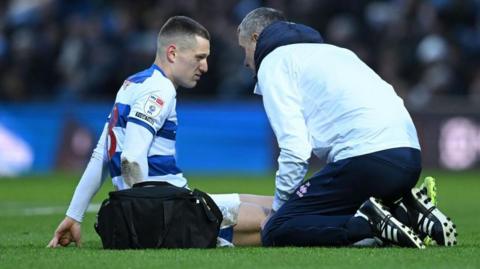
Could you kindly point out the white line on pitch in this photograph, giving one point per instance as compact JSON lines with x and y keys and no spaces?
{"x":38,"y":211}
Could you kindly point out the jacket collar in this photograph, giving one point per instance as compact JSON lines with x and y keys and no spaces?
{"x":283,"y":33}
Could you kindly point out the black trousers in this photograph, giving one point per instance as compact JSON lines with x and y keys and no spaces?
{"x":320,"y":212}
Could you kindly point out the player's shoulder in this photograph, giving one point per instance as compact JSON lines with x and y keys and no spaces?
{"x":151,"y":81}
{"x":158,"y":83}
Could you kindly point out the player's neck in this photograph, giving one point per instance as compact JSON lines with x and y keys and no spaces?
{"x":166,"y":71}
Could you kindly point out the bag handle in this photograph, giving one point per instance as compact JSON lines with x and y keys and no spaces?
{"x":209,"y":206}
{"x":151,"y":183}
{"x":167,"y":217}
{"x":128,"y":218}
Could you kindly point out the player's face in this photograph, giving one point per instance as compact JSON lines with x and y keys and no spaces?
{"x":191,"y":63}
{"x":248,"y":44}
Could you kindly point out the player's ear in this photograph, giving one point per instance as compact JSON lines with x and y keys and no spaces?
{"x":171,"y":53}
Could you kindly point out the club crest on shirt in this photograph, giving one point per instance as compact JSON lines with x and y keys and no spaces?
{"x":153,"y":106}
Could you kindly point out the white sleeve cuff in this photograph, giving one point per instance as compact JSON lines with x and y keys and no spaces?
{"x":74,"y":215}
{"x":277,"y":202}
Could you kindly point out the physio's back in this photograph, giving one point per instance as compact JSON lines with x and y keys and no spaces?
{"x":349,"y":110}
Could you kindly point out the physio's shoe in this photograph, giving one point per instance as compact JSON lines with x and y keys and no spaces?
{"x":429,"y":187}
{"x":387,"y":227}
{"x":428,"y":219}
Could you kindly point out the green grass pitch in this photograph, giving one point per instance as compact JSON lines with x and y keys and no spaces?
{"x":31,"y":207}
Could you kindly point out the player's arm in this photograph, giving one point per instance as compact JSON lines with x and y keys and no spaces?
{"x":134,"y":162}
{"x":69,"y":229}
{"x":146,"y":117}
{"x":283,"y":105}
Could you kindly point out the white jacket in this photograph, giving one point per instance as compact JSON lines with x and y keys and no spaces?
{"x":324,"y":98}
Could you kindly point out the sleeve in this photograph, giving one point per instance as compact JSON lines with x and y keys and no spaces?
{"x":283,"y":105}
{"x":147,"y":116}
{"x":91,"y":180}
{"x":152,"y":109}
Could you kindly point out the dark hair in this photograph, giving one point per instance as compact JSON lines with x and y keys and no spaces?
{"x":182,"y":25}
{"x":258,"y":19}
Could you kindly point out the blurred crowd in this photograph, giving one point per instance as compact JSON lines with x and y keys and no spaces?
{"x":84,"y":49}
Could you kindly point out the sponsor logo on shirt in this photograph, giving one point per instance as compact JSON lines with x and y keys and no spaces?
{"x":144,"y":117}
{"x":153,"y":106}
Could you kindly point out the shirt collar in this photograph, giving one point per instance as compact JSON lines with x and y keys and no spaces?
{"x":154,"y":66}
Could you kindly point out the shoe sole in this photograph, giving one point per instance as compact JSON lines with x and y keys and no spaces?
{"x":449,"y":230}
{"x":409,"y":233}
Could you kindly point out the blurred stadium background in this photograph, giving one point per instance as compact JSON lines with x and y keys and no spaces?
{"x":61,"y":63}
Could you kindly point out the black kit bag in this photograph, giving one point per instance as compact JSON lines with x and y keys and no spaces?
{"x":158,"y":215}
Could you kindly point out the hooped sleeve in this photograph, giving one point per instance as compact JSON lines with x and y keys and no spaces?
{"x":146,"y":118}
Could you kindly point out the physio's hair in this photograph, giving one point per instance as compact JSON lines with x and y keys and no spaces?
{"x":180,"y":30}
{"x":258,"y":19}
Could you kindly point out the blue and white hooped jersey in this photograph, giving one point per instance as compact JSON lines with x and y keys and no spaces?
{"x":147,"y":99}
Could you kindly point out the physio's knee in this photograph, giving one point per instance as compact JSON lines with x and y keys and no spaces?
{"x":269,"y":234}
{"x":267,"y":241}
{"x":279,"y":236}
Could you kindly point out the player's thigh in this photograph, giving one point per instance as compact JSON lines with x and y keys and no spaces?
{"x":250,"y":217}
{"x":261,"y":200}
{"x":247,"y":239}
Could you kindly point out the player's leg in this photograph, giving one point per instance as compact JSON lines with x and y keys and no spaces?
{"x":261,"y":200}
{"x":243,"y":215}
{"x":247,"y":230}
{"x":252,"y":212}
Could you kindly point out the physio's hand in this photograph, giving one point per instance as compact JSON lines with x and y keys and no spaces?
{"x":67,"y":231}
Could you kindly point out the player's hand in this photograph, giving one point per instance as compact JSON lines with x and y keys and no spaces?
{"x":67,"y":231}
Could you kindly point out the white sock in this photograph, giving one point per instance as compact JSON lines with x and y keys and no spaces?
{"x":229,"y":204}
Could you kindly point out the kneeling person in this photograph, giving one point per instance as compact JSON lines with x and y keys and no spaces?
{"x":323,"y":99}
